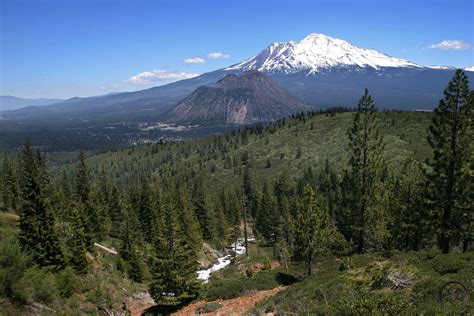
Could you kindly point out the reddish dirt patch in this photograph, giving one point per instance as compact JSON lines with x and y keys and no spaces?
{"x":232,"y":307}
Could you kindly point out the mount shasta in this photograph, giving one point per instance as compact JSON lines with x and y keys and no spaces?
{"x":320,"y":70}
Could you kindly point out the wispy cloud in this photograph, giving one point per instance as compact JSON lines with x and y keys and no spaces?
{"x":451,"y":45}
{"x":159,"y":76}
{"x":218,"y":55}
{"x":195,"y":60}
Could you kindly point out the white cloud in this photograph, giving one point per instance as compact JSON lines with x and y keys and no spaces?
{"x":159,"y":76}
{"x":195,"y":60}
{"x":218,"y":55}
{"x":451,"y":45}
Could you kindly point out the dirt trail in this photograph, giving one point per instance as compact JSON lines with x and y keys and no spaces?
{"x":232,"y":307}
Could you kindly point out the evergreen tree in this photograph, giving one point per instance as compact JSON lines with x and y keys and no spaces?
{"x":146,"y":210}
{"x":174,"y":264}
{"x":203,"y":210}
{"x":83,"y":189}
{"x":37,"y":233}
{"x":265,"y":220}
{"x":450,"y":136}
{"x":411,"y":216}
{"x":77,"y":247}
{"x":9,"y":185}
{"x":129,"y":243}
{"x":115,"y":210}
{"x":313,"y":229}
{"x":188,"y":223}
{"x":82,"y":179}
{"x":366,"y":212}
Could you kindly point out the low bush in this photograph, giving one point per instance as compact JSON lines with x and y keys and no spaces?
{"x":226,"y":289}
{"x":36,"y":285}
{"x":444,"y":264}
{"x":13,"y":263}
{"x":207,"y":308}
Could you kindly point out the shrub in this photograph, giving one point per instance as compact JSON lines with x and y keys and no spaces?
{"x":207,"y":308}
{"x":68,"y":282}
{"x":444,"y":264}
{"x":36,"y":285}
{"x":13,"y":263}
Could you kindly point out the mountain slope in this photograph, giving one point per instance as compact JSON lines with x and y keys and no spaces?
{"x":8,"y":102}
{"x":244,"y":99}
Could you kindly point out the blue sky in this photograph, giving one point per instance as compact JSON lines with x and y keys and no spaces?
{"x":66,"y":48}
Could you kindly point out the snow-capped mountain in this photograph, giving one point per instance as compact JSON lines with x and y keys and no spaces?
{"x":317,"y":52}
{"x":469,"y":68}
{"x":320,"y":70}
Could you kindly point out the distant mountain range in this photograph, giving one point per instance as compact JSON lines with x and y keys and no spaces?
{"x":320,"y":70}
{"x":8,"y":102}
{"x":244,"y":99}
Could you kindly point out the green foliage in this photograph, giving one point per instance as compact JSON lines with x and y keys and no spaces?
{"x":36,"y":285}
{"x":13,"y":262}
{"x":369,"y":286}
{"x":451,"y":184}
{"x":77,"y":241}
{"x":174,"y":262}
{"x":207,"y":308}
{"x":410,"y":209}
{"x":313,"y":229}
{"x":37,"y":231}
{"x":231,"y":288}
{"x":8,"y":186}
{"x":444,"y":264}
{"x":365,"y":192}
{"x":68,"y":282}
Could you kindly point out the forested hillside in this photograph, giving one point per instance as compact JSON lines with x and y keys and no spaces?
{"x":286,"y":148}
{"x":355,"y":212}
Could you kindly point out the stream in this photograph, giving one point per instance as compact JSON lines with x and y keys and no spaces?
{"x":224,"y":261}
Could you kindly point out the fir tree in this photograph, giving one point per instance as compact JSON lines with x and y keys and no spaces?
{"x":265,"y":221}
{"x":129,"y":243}
{"x":77,"y":257}
{"x":188,"y":223}
{"x":450,"y":136}
{"x":203,"y":210}
{"x":82,"y":179}
{"x":174,"y":263}
{"x":37,"y":233}
{"x":366,"y":213}
{"x":83,"y":189}
{"x":411,"y":216}
{"x":313,"y":229}
{"x":9,"y":185}
{"x":146,"y":210}
{"x":115,"y":210}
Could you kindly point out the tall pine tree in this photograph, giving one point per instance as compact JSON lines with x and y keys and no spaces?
{"x":366,"y":211}
{"x":450,"y":136}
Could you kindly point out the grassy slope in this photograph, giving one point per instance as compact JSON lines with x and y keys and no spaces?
{"x":362,"y":287}
{"x":405,"y":134}
{"x":366,"y":287}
